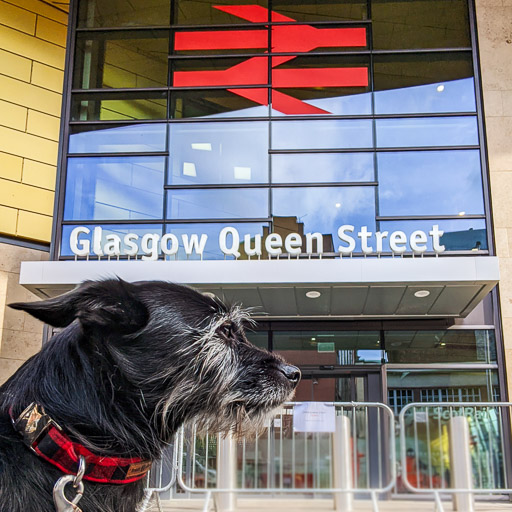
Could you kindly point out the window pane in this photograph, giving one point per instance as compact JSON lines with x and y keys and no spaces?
{"x":323,"y":10}
{"x":323,"y":210}
{"x":198,"y":12}
{"x":459,"y":234}
{"x":212,"y":249}
{"x":106,"y":139}
{"x":121,"y":59}
{"x":218,"y":72}
{"x":218,"y":153}
{"x":453,"y":346}
{"x":219,"y":42}
{"x":220,"y":103}
{"x":425,"y":131}
{"x":120,"y":13}
{"x":108,"y":229}
{"x":337,"y":348}
{"x":322,"y":167}
{"x":321,"y":85}
{"x":322,"y":134}
{"x":430,"y":183}
{"x":260,"y":339}
{"x":117,"y":106}
{"x":436,"y":82}
{"x":114,"y":188}
{"x":217,"y":203}
{"x":420,"y":24}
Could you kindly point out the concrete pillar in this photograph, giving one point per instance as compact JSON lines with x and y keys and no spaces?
{"x":342,"y":465}
{"x":460,"y":463}
{"x":226,"y":473}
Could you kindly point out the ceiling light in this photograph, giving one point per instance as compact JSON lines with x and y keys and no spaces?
{"x":442,"y":344}
{"x":462,"y":214}
{"x":313,"y":339}
{"x":313,"y":294}
{"x":189,"y":169}
{"x":242,"y":173}
{"x":201,"y":146}
{"x":440,"y":88}
{"x":338,"y":205}
{"x":421,"y":294}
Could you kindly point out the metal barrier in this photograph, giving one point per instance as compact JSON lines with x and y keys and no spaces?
{"x":357,"y":458}
{"x":454,"y":448}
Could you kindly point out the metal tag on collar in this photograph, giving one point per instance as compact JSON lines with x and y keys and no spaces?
{"x":33,"y":423}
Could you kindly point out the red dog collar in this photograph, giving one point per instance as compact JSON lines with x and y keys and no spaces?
{"x":47,"y":439}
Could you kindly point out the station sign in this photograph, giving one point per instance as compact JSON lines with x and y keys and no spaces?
{"x":97,"y":241}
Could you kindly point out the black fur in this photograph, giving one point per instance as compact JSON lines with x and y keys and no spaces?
{"x":133,"y":363}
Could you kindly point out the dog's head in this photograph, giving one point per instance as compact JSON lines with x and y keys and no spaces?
{"x":187,"y":353}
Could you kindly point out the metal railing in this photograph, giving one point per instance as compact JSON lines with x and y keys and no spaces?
{"x":454,"y":448}
{"x":354,"y":459}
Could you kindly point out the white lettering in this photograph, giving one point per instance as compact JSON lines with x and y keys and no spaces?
{"x":319,"y":243}
{"x":346,"y":238}
{"x":96,"y":241}
{"x":175,"y":244}
{"x":193,"y":244}
{"x":397,"y":241}
{"x":364,"y":235}
{"x":149,"y":246}
{"x":131,"y":247}
{"x":113,"y":245}
{"x":80,"y":247}
{"x":417,"y":238}
{"x":380,"y":237}
{"x":436,"y":235}
{"x":235,"y":242}
{"x":257,"y":245}
{"x":273,"y":244}
{"x":293,"y":243}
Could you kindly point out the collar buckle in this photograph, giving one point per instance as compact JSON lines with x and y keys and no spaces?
{"x":33,"y":423}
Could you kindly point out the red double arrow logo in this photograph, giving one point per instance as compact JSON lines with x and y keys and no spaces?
{"x":254,"y":70}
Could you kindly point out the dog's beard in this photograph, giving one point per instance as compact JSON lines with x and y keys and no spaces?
{"x":214,"y":390}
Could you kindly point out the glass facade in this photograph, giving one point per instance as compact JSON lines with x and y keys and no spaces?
{"x":186,"y":117}
{"x":273,"y":114}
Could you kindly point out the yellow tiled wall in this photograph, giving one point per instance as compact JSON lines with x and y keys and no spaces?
{"x":32,"y":51}
{"x":494,"y":20}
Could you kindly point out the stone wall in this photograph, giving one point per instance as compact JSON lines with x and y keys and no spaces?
{"x":494,"y":21}
{"x":20,"y":334}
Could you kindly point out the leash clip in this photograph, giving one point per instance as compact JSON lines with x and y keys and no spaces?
{"x":62,"y":504}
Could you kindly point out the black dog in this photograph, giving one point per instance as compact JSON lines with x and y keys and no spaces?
{"x":134,"y":362}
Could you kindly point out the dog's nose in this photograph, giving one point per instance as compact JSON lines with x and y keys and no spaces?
{"x":292,"y":373}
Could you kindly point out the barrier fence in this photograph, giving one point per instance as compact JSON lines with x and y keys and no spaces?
{"x":444,"y":449}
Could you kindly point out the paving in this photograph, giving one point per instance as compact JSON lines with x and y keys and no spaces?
{"x":295,"y":505}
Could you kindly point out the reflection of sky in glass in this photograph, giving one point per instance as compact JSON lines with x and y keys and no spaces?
{"x":203,"y":153}
{"x":317,"y":134}
{"x":459,"y":234}
{"x":324,"y":209}
{"x":355,"y":104}
{"x":120,"y":230}
{"x":133,"y":138}
{"x":426,"y":131}
{"x":217,"y":203}
{"x":450,"y":96}
{"x":212,"y":250}
{"x":114,"y":188}
{"x":430,"y":183}
{"x":322,"y":167}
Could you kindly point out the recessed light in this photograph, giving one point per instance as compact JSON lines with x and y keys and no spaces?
{"x":313,"y":294}
{"x":462,"y":214}
{"x":440,"y":88}
{"x":421,"y":293}
{"x":442,"y":344}
{"x":338,"y":205}
{"x":313,"y":339}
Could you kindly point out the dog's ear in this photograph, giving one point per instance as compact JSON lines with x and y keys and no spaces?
{"x":107,"y":305}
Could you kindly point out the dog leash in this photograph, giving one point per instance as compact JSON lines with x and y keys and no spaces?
{"x":62,"y":504}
